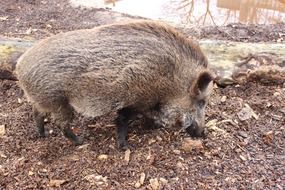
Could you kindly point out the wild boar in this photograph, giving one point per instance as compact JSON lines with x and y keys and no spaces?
{"x":139,"y":67}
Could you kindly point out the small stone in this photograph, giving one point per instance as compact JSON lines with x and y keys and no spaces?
{"x":142,"y":178}
{"x":2,"y":155}
{"x":223,"y":99}
{"x":30,"y":173}
{"x":276,"y":94}
{"x":188,"y":145}
{"x":103,"y":157}
{"x":56,"y":183}
{"x":158,"y":138}
{"x":151,"y":141}
{"x":242,"y":158}
{"x":137,"y":184}
{"x":163,"y":180}
{"x":2,"y":130}
{"x":154,"y":184}
{"x":127,"y":155}
{"x":176,"y":151}
{"x":83,"y":146}
{"x":96,"y":179}
{"x":243,"y":134}
{"x":20,"y":101}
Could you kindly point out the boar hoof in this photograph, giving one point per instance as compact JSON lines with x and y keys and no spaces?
{"x":123,"y":145}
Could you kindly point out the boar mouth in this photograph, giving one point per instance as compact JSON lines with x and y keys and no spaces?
{"x":194,"y":131}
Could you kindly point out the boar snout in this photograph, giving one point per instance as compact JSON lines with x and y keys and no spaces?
{"x":195,"y":130}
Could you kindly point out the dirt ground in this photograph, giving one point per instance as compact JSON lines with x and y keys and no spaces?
{"x":236,"y":154}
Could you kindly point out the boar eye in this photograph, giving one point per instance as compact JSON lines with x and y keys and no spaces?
{"x":201,"y":103}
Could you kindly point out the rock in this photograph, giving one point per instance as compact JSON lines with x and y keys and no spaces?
{"x":189,"y":144}
{"x":2,"y":130}
{"x":56,"y":182}
{"x":103,"y":157}
{"x":246,"y":113}
{"x":127,"y":155}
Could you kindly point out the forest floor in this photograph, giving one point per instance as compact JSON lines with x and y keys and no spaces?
{"x":244,"y":148}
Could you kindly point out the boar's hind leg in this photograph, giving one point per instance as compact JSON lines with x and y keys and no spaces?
{"x":124,"y":115}
{"x":39,"y":120}
{"x":64,"y":116}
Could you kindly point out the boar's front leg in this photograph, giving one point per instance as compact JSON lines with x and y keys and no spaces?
{"x":39,"y":120}
{"x":64,"y":117}
{"x":124,"y":115}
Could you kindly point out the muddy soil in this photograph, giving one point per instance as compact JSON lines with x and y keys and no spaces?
{"x":238,"y":153}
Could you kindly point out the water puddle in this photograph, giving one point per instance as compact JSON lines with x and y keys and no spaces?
{"x":197,"y":12}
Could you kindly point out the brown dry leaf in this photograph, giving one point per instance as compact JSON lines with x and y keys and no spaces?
{"x":56,"y":182}
{"x":189,"y":144}
{"x":268,"y":137}
{"x":127,"y":155}
{"x":2,"y":130}
{"x":246,"y":113}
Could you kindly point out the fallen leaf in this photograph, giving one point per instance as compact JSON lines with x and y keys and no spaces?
{"x":127,"y":155}
{"x":56,"y":182}
{"x":2,"y":130}
{"x":189,"y":144}
{"x":246,"y":113}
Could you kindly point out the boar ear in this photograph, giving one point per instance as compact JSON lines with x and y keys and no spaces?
{"x":202,"y":82}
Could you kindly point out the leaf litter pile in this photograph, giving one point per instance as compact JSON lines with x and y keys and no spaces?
{"x":244,"y":148}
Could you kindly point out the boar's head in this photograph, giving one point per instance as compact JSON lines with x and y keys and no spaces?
{"x":188,"y":111}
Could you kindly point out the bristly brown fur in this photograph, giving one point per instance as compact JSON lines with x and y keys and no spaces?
{"x":97,"y":71}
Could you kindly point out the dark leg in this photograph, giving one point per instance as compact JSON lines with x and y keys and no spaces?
{"x":124,"y":115}
{"x":64,"y":117}
{"x":39,"y":120}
